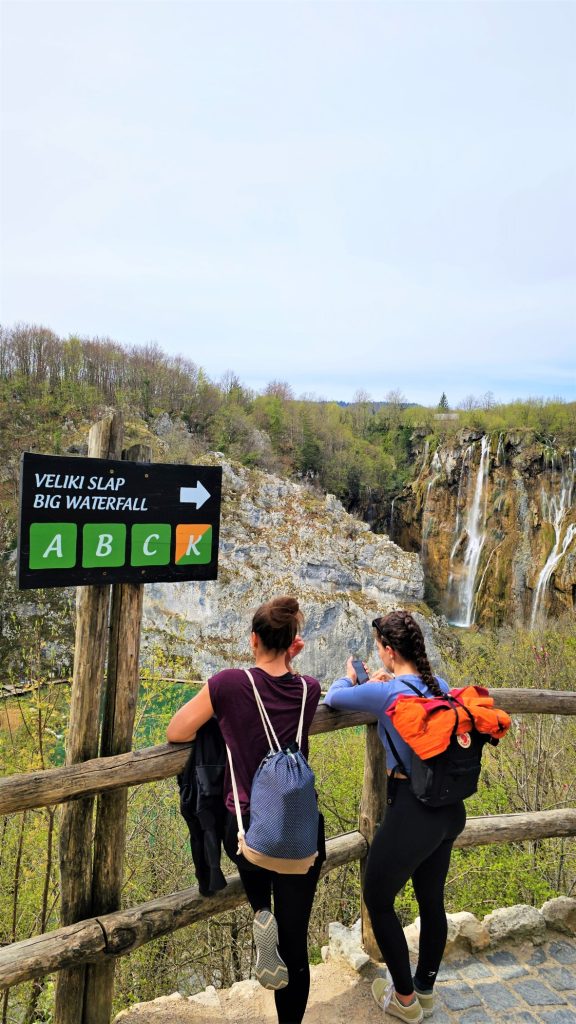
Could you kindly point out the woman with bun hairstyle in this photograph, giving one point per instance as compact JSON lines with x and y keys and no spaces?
{"x":282,"y":903}
{"x":414,"y":841}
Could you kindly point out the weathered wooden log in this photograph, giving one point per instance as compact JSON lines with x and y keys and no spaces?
{"x":117,"y":934}
{"x":69,"y":947}
{"x":56,"y":785}
{"x":122,"y":932}
{"x":509,"y":828}
{"x":121,"y":697}
{"x":92,"y":610}
{"x":518,"y":700}
{"x":372,"y":807}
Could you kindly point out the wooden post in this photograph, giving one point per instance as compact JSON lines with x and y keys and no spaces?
{"x":92,"y":609}
{"x":372,"y":808}
{"x":117,"y":730}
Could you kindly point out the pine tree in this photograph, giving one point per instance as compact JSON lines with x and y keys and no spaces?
{"x":443,"y":403}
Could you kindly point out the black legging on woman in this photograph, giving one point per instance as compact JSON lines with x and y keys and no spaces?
{"x":293,"y":898}
{"x":414,"y":841}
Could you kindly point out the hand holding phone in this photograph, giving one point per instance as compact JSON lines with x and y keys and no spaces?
{"x":361,"y":673}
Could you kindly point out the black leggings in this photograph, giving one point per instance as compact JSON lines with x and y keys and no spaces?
{"x":293,"y":898}
{"x":414,"y":841}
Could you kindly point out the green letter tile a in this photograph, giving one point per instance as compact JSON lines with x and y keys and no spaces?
{"x":53,"y":545}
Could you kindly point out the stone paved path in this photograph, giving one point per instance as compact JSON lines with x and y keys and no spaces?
{"x":519,"y":983}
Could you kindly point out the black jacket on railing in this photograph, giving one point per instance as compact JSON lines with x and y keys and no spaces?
{"x":201,"y":785}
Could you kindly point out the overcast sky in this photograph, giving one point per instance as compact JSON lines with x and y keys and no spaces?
{"x":341,"y":195}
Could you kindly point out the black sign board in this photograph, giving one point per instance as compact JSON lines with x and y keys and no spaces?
{"x":85,"y":521}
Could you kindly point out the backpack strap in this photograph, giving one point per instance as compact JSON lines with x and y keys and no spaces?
{"x":390,"y":740}
{"x":396,"y":754}
{"x":239,"y":822}
{"x":268,"y":728}
{"x":451,"y":701}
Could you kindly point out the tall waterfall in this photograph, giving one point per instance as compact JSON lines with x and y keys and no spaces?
{"x":435,"y":465}
{"x":469,"y":537}
{"x":555,"y":508}
{"x":391,"y":524}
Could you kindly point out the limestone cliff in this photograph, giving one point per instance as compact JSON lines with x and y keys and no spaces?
{"x":280,"y":537}
{"x":494,"y":520}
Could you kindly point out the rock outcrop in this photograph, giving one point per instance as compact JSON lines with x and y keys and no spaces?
{"x":494,"y":519}
{"x":280,"y":537}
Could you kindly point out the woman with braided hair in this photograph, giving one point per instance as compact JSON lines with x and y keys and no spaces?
{"x":414,"y":841}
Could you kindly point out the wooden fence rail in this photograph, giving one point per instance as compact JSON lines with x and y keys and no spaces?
{"x":88,"y":778}
{"x":118,"y":934}
{"x":101,"y":939}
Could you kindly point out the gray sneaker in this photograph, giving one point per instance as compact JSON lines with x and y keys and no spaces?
{"x":271,"y":971}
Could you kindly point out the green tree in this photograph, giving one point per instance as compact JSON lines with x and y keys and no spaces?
{"x":443,"y":403}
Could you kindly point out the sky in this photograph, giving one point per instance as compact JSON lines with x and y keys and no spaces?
{"x":346,"y":196}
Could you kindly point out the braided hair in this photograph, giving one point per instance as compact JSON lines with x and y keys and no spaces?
{"x":403,"y":634}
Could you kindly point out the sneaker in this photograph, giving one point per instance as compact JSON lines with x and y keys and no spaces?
{"x":427,"y":1001}
{"x":271,"y":971}
{"x":385,"y":998}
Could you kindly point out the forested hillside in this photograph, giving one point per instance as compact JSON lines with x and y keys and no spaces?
{"x":51,"y":388}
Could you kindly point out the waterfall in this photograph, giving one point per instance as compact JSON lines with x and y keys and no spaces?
{"x":469,"y":539}
{"x":464,"y":473}
{"x":426,"y":517}
{"x":555,"y":508}
{"x":391,"y":527}
{"x":500,"y":456}
{"x":424,"y":460}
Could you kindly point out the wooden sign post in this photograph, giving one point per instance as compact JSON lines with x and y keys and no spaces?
{"x":92,"y":612}
{"x":121,"y":697}
{"x":121,"y":522}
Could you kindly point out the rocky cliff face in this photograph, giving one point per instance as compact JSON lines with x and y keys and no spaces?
{"x":278,"y":537}
{"x":494,"y":519}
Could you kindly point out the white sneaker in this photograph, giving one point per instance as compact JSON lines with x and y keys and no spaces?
{"x":271,"y":971}
{"x":385,"y":997}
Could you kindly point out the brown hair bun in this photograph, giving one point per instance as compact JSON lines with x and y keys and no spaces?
{"x":277,"y":622}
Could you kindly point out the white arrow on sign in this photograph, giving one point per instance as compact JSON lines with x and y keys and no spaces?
{"x":198,"y":495}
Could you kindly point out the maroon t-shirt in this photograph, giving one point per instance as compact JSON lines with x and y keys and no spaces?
{"x":235,"y":708}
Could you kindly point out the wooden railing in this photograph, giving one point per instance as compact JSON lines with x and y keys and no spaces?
{"x":101,"y":774}
{"x":103,"y":938}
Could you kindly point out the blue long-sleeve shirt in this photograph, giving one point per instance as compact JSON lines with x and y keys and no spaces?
{"x":375,"y":699}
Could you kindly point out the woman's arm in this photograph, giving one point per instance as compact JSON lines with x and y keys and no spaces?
{"x":185,"y":723}
{"x":343,"y":696}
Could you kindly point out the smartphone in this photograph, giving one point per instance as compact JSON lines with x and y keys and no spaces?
{"x":361,"y":673}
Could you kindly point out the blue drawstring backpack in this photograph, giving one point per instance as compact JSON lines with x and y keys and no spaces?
{"x":283,"y":832}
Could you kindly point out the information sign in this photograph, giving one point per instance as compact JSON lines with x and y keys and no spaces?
{"x":85,"y":521}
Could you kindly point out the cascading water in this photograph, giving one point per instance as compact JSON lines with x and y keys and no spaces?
{"x":426,"y":517}
{"x":424,"y":459}
{"x":500,"y":453}
{"x":469,"y":539}
{"x":391,"y":526}
{"x":555,"y":509}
